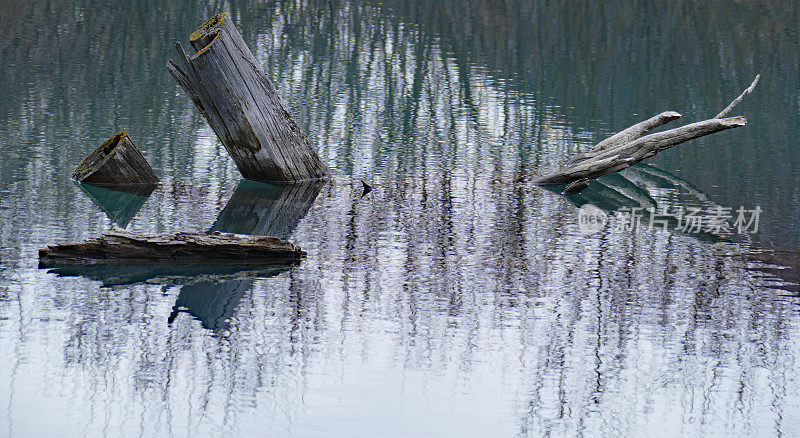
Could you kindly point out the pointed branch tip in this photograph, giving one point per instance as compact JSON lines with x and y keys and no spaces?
{"x":738,"y":100}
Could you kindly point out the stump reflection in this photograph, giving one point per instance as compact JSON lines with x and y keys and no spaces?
{"x":254,"y":208}
{"x":263,"y":209}
{"x":209,"y":293}
{"x":119,"y":203}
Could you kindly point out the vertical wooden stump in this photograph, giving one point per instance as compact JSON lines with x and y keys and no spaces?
{"x":116,"y":162}
{"x":242,"y":106}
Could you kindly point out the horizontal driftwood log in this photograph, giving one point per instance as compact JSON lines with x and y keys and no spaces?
{"x":122,"y":247}
{"x":118,"y":163}
{"x":631,"y":146}
{"x":242,"y":106}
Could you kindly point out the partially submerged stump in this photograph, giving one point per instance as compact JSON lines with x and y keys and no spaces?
{"x":242,"y":106}
{"x":116,"y":162}
{"x":121,"y":247}
{"x":631,"y":146}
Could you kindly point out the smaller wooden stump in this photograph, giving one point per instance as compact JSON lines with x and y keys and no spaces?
{"x":116,"y":162}
{"x":122,"y":247}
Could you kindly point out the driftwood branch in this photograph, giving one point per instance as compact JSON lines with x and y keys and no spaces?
{"x":629,"y":146}
{"x":121,"y":247}
{"x":628,"y":135}
{"x":736,"y":101}
{"x":628,"y":154}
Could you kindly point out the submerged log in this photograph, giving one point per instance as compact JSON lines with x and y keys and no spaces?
{"x":119,"y":247}
{"x":631,"y":146}
{"x":242,"y":106}
{"x":117,"y":162}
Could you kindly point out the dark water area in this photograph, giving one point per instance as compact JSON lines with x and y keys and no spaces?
{"x":454,"y":299}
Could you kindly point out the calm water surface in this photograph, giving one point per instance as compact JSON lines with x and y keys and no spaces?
{"x":455,"y":299}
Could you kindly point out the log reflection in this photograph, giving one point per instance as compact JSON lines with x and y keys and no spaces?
{"x":254,"y":208}
{"x":654,"y":195}
{"x":263,"y":209}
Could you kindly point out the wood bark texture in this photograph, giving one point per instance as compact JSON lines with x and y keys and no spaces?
{"x":117,"y":162}
{"x":122,"y":247}
{"x":631,"y":146}
{"x":242,"y":106}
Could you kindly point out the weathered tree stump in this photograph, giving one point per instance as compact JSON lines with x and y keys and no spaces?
{"x":116,"y":162}
{"x":120,"y":247}
{"x":243,"y":108}
{"x":631,"y":146}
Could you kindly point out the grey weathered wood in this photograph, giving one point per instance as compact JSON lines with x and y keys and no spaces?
{"x":627,"y":135}
{"x":243,"y":108}
{"x":626,"y":155}
{"x":736,"y":101}
{"x":121,"y":247}
{"x":116,"y":162}
{"x":629,"y":147}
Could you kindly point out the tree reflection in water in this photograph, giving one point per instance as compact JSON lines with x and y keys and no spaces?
{"x":453,"y":298}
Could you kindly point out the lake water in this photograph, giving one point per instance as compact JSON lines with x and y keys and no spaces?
{"x":456,"y":298}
